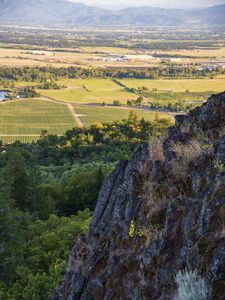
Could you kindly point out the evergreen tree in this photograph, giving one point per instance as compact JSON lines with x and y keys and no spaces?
{"x":16,"y":179}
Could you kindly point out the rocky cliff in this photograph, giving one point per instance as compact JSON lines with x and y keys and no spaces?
{"x":161,"y":212}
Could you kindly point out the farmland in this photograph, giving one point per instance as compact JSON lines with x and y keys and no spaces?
{"x":92,"y":90}
{"x":95,"y":114}
{"x":24,"y":120}
{"x":179,"y":85}
{"x":196,"y":53}
{"x":107,"y":56}
{"x":103,"y":74}
{"x":85,"y":57}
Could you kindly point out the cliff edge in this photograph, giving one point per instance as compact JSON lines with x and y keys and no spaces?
{"x":159,"y":213}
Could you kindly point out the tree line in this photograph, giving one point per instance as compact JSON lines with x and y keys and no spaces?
{"x":41,"y":74}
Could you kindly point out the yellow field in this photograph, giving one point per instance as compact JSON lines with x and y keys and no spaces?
{"x":101,"y":57}
{"x":14,"y":57}
{"x":199,"y":52}
{"x":25,"y":83}
{"x":180,"y":85}
{"x":89,"y":91}
{"x":86,"y":57}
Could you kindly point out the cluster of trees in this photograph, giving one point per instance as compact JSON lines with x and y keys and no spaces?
{"x":34,"y":252}
{"x":51,"y":74}
{"x":47,"y":192}
{"x":174,"y":44}
{"x":28,"y":92}
{"x":49,"y":85}
{"x":24,"y":181}
{"x":178,"y":106}
{"x":7,"y":83}
{"x":138,"y":102}
{"x":107,"y":142}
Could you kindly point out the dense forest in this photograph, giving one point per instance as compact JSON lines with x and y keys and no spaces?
{"x":48,"y":190}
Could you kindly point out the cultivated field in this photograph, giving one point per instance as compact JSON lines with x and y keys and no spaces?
{"x":53,"y":111}
{"x":89,"y":91}
{"x":85,"y":57}
{"x":92,"y":91}
{"x":185,"y":98}
{"x":207,"y":53}
{"x":97,"y":114}
{"x":179,"y":85}
{"x":24,"y":120}
{"x":107,"y":56}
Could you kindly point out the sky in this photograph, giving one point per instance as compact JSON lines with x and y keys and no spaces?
{"x":158,"y":3}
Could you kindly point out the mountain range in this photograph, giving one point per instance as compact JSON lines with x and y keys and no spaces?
{"x":56,"y":13}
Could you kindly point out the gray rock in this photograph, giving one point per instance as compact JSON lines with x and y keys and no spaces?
{"x":181,"y":231}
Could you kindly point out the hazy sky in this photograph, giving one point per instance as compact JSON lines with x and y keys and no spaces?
{"x":159,"y":3}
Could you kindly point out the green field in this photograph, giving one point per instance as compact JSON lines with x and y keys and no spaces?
{"x":89,"y":91}
{"x":98,"y":114}
{"x":185,"y":97}
{"x":20,"y":84}
{"x":178,"y":85}
{"x":25,"y":119}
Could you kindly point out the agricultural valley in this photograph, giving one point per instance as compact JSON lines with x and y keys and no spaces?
{"x":143,"y":73}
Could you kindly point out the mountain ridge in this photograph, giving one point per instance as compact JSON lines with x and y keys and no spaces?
{"x":69,"y":14}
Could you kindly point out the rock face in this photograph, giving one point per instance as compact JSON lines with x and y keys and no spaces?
{"x":161,"y":212}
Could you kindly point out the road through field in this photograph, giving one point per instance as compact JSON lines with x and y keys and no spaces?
{"x":69,"y":105}
{"x":78,"y":119}
{"x":78,"y":116}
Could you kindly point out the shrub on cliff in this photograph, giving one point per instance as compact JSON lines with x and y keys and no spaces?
{"x":190,"y":286}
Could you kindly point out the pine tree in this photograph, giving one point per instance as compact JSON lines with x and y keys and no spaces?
{"x":16,"y":179}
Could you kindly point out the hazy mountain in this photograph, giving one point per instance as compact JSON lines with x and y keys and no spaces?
{"x":64,"y":13}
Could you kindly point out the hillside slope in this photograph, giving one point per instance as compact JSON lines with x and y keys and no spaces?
{"x":64,"y":13}
{"x":161,"y":212}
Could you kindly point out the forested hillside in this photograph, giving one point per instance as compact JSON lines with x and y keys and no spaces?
{"x":65,"y":13}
